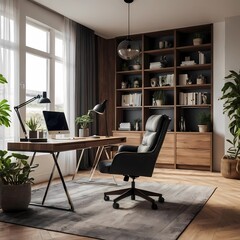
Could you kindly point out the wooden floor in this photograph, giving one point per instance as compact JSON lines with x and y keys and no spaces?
{"x":218,"y":220}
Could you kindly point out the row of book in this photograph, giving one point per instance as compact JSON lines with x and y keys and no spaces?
{"x":132,"y":100}
{"x":193,"y":98}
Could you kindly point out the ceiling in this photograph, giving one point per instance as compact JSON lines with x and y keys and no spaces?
{"x":108,"y":18}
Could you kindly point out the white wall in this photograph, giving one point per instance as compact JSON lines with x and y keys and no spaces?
{"x":226,"y":57}
{"x":232,"y":55}
{"x":218,"y":81}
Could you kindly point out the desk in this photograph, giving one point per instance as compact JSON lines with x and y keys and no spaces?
{"x":54,"y":147}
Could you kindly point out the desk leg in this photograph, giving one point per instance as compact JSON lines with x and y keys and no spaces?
{"x":32,"y":159}
{"x":63,"y":182}
{"x":50,"y":179}
{"x":79,"y":161}
{"x":96,"y":161}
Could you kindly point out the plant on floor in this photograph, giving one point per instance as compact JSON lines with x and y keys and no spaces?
{"x":231,"y":106}
{"x":15,"y":182}
{"x":4,"y":107}
{"x":14,"y":168}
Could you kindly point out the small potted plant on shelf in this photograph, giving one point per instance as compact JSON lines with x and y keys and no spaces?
{"x":33,"y":124}
{"x":159,"y":97}
{"x":83,"y":122}
{"x":204,"y":122}
{"x":230,"y":162}
{"x":16,"y":181}
{"x":197,"y":39}
{"x":136,"y":65}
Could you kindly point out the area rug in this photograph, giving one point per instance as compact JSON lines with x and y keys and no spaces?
{"x":96,"y":218}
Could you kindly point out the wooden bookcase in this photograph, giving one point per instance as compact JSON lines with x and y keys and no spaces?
{"x":188,"y":148}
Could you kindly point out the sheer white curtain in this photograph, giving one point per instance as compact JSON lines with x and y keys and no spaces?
{"x":9,"y":62}
{"x":69,"y":41}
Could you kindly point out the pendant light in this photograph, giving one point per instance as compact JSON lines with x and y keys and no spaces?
{"x":128,"y":49}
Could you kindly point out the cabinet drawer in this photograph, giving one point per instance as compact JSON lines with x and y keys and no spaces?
{"x":168,"y":141}
{"x":166,"y":156}
{"x":132,"y":137}
{"x":196,"y":141}
{"x":199,"y":157}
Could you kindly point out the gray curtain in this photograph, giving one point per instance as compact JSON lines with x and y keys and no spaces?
{"x":86,"y":88}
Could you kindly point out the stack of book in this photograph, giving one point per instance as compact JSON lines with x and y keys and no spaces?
{"x":155,"y":65}
{"x":125,"y":126}
{"x":188,"y":63}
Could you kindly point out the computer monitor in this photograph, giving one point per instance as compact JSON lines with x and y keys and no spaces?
{"x":56,"y":122}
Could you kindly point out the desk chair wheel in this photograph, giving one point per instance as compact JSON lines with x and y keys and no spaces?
{"x":116,"y":205}
{"x":154,"y":206}
{"x":161,"y":199}
{"x":106,"y":198}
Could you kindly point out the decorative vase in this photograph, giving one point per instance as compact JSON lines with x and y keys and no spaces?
{"x":15,"y":197}
{"x":33,"y":134}
{"x":203,"y":128}
{"x":83,"y":132}
{"x":228,"y":168}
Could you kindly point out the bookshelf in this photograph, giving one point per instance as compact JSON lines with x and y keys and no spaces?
{"x":182,"y":74}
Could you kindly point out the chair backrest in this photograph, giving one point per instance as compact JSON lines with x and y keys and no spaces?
{"x":152,"y":130}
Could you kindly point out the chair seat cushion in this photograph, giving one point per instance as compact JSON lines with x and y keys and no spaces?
{"x":104,"y":166}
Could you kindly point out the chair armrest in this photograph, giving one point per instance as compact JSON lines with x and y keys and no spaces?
{"x":127,"y":148}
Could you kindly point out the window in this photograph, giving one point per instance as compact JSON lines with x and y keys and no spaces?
{"x":44,"y":67}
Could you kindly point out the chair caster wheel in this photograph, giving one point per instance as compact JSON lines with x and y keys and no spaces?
{"x":154,"y":206}
{"x":106,"y":198}
{"x":116,"y":205}
{"x":161,"y":199}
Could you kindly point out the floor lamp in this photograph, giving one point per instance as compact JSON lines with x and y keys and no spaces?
{"x":43,"y":99}
{"x":101,"y":108}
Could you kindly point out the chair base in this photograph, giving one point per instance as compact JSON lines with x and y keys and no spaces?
{"x":133,"y":192}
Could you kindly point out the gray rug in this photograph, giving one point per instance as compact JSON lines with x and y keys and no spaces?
{"x":94,"y":217}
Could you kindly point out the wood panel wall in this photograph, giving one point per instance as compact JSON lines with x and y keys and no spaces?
{"x":105,"y":50}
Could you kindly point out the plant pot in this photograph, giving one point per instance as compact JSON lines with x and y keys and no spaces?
{"x":228,"y":168}
{"x":15,"y":197}
{"x":84,"y":132}
{"x":203,"y":128}
{"x":197,"y":41}
{"x":33,"y":134}
{"x":159,"y":102}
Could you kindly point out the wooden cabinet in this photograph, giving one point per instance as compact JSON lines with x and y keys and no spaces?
{"x":182,"y":73}
{"x":133,"y":137}
{"x":194,"y":150}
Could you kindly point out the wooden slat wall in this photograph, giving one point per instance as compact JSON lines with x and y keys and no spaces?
{"x":105,"y":80}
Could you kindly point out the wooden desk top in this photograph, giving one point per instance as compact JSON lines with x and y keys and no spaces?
{"x":60,"y":145}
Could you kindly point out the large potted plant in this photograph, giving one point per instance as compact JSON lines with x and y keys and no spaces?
{"x":230,"y":163}
{"x":16,"y":181}
{"x":83,"y":122}
{"x":14,"y":170}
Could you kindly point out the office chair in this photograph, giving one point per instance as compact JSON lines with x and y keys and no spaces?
{"x":134,"y":161}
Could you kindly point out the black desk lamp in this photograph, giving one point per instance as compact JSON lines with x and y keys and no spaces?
{"x":100,"y":109}
{"x":43,"y":99}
